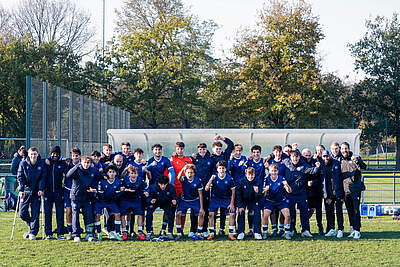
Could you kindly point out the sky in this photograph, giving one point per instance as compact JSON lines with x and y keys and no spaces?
{"x":342,"y":22}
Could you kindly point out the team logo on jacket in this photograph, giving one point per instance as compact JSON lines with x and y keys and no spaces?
{"x":92,"y":175}
{"x":59,"y":166}
{"x":39,"y":168}
{"x":208,"y":163}
{"x":226,"y":182}
{"x":298,"y":168}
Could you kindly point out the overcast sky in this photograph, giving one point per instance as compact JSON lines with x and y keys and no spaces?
{"x":342,"y":22}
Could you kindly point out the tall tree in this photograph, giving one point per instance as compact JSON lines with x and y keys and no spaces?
{"x":377,"y":54}
{"x":21,"y":57}
{"x":54,"y":20}
{"x":156,"y":66}
{"x":277,"y":64}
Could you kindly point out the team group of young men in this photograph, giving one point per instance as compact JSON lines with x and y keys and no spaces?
{"x":124,"y":187}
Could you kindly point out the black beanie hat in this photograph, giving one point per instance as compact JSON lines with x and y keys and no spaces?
{"x":56,"y":150}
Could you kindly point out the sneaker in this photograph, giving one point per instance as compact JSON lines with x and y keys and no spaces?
{"x":274,"y":233}
{"x":240,"y":236}
{"x":178,"y":237}
{"x":330,"y":233}
{"x":221,"y":232}
{"x":231,"y":237}
{"x":191,"y":234}
{"x":49,"y":237}
{"x":91,"y":238}
{"x":211,"y":237}
{"x":163,"y":233}
{"x":199,"y":237}
{"x":118,"y":237}
{"x":351,"y":229}
{"x":195,"y":237}
{"x":170,"y":236}
{"x":99,"y":237}
{"x":133,"y":234}
{"x":77,"y":239}
{"x":250,"y":234}
{"x":32,"y":237}
{"x":105,"y":231}
{"x":287,"y":235}
{"x":69,"y":236}
{"x":60,"y":237}
{"x":26,"y":235}
{"x":291,"y":233}
{"x":149,"y":236}
{"x":112,"y":235}
{"x":306,"y":234}
{"x":265,"y":235}
{"x":257,"y":236}
{"x":339,"y":234}
{"x":356,"y":235}
{"x":205,"y":235}
{"x":125,"y":236}
{"x":281,"y":232}
{"x":141,"y":236}
{"x":351,"y":234}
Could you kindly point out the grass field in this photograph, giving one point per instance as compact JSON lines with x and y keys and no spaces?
{"x":379,"y":245}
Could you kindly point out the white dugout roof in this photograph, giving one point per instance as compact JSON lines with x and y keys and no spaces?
{"x":266,"y":138}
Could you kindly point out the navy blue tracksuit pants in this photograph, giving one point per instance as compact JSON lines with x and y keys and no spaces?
{"x":87,"y":212}
{"x":30,"y":200}
{"x":167,"y":209}
{"x":257,"y":218}
{"x":56,"y":198}
{"x":302,"y":205}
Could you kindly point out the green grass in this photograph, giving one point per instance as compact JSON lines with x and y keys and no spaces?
{"x":380,"y":244}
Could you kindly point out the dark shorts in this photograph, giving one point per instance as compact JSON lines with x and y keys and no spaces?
{"x":280,"y":205}
{"x":67,"y":198}
{"x":194,"y":205}
{"x":314,"y":202}
{"x":100,"y":205}
{"x":135,"y":206}
{"x":219,"y":203}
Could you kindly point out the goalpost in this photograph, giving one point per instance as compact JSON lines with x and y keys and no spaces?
{"x":266,"y":138}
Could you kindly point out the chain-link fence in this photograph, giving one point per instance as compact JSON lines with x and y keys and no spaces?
{"x":60,"y":117}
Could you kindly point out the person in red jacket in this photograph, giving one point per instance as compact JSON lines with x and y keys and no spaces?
{"x":178,"y":161}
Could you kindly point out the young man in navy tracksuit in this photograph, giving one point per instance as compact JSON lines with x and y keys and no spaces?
{"x":108,"y":192}
{"x":219,"y":155}
{"x":73,"y":161}
{"x":248,"y":195}
{"x":82,"y":177}
{"x":161,"y":195}
{"x":314,"y":189}
{"x":192,"y":198}
{"x":256,"y":162}
{"x":222,"y":197}
{"x":275,"y":198}
{"x":31,"y":178}
{"x":19,"y":156}
{"x":132,"y":201}
{"x":54,"y":193}
{"x":276,"y":215}
{"x":236,"y":161}
{"x":296,"y":176}
{"x":333,"y":195}
{"x":204,"y":169}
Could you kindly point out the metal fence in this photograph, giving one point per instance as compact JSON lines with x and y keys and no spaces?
{"x":55,"y":116}
{"x":381,"y":187}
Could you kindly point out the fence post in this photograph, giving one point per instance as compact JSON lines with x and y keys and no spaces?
{"x":91,"y":107}
{"x":28,"y":111}
{"x":386,"y":133}
{"x":81,"y":122}
{"x":44,"y":118}
{"x":71,"y":119}
{"x":394,"y":188}
{"x":59,"y":117}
